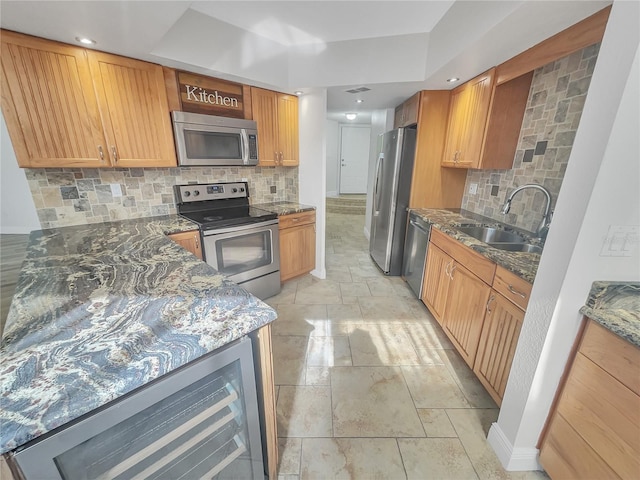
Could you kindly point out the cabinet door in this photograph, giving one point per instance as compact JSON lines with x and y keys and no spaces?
{"x":297,"y":251}
{"x":464,"y":311}
{"x":477,"y":112}
{"x":398,"y":116}
{"x":288,"y":130}
{"x":411,"y":108}
{"x":500,"y":332}
{"x":190,"y":241}
{"x":134,"y":110}
{"x":265,"y":106}
{"x":455,"y":127}
{"x":436,"y":281}
{"x":49,"y":104}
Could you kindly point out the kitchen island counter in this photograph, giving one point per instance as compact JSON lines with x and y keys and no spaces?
{"x":102,"y":309}
{"x":525,"y":265}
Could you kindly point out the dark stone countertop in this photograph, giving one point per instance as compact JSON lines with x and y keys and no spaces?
{"x":103,"y":309}
{"x":616,"y":306}
{"x":284,"y":208}
{"x":525,"y":265}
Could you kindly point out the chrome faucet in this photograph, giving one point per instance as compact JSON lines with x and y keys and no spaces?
{"x":543,"y":227}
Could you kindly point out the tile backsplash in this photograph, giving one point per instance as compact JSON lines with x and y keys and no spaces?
{"x":554,"y":107}
{"x":75,"y":196}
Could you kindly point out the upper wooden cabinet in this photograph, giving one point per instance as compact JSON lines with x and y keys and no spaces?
{"x":407,"y":113}
{"x":277,"y":117}
{"x":67,"y":106}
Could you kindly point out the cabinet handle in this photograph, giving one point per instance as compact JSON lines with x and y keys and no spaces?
{"x":453,"y":269}
{"x":516,"y":292}
{"x":491,"y":299}
{"x":446,"y":269}
{"x":281,"y":159}
{"x":101,"y":153}
{"x":197,"y":243}
{"x":115,"y":154}
{"x":295,"y":219}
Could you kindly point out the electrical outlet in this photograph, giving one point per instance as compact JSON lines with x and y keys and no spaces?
{"x":116,"y":189}
{"x":244,"y":180}
{"x":473,"y":188}
{"x":273,"y":189}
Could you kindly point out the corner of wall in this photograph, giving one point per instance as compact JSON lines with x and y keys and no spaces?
{"x":512,"y":459}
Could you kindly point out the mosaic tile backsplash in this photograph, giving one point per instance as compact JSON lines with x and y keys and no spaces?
{"x":554,"y":108}
{"x":76,"y":196}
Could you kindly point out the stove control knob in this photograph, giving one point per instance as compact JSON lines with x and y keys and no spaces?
{"x":242,"y":189}
{"x":196,"y":193}
{"x":187,"y":193}
{"x":235,"y":190}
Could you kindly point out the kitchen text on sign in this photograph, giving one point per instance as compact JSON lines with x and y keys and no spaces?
{"x":198,"y":94}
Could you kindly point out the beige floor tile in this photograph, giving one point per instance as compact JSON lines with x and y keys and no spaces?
{"x":304,"y":411}
{"x":361,"y":273}
{"x":328,"y":352}
{"x":403,"y":290}
{"x":472,"y":427}
{"x":426,"y":335}
{"x":339,"y":274}
{"x":351,"y":458}
{"x":372,"y":402}
{"x":322,"y":292}
{"x":385,"y":309}
{"x":436,"y":423}
{"x":345,"y":313}
{"x":438,"y":458}
{"x":381,"y":287}
{"x":348,"y":300}
{"x":355,"y":289}
{"x":289,"y":356}
{"x":379,"y":344}
{"x":286,"y":296}
{"x":420,"y":310}
{"x":302,"y":320}
{"x":289,"y":451}
{"x":471,"y":387}
{"x":341,"y":259}
{"x":318,"y":376}
{"x":432,"y":386}
{"x":288,"y":477}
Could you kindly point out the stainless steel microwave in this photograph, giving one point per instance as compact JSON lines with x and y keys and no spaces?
{"x":207,"y":140}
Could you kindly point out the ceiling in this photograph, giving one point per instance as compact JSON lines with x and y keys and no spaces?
{"x":394,"y":48}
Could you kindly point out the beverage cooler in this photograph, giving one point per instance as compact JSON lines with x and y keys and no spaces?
{"x":199,"y":422}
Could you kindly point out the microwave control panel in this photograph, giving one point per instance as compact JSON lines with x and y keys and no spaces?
{"x":253,"y":147}
{"x":198,"y":192}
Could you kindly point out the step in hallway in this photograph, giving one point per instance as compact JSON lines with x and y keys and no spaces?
{"x":352,"y":204}
{"x":368,"y":385}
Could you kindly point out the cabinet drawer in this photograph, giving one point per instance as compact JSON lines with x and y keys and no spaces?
{"x":512,"y":287}
{"x":615,"y":355}
{"x":481,"y":266}
{"x":296,"y":219}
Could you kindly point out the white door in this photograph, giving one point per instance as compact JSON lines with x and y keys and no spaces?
{"x":354,"y":158}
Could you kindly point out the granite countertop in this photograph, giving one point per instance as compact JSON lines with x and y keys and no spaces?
{"x":525,"y":265}
{"x":616,"y":306}
{"x":103,"y":309}
{"x":284,"y":208}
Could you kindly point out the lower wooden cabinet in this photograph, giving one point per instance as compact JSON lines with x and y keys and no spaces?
{"x":436,"y":284}
{"x":297,"y":244}
{"x":190,"y":241}
{"x":594,"y":429}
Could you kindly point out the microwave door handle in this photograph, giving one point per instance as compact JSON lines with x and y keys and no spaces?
{"x":244,"y":147}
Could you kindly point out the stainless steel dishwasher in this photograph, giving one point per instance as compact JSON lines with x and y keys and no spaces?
{"x":415,"y":252}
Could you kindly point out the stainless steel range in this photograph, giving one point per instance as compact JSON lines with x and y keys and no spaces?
{"x":239,"y":241}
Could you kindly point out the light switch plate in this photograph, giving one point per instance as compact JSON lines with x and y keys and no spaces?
{"x":620,"y":241}
{"x":116,"y":189}
{"x":473,"y":188}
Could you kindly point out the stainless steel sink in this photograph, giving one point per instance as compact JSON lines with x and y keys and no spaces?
{"x":516,"y":247}
{"x":491,"y":235}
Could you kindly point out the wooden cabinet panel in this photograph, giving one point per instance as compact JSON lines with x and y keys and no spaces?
{"x":407,"y":113}
{"x":497,"y":346}
{"x":297,"y":251}
{"x":297,"y":219}
{"x":464,"y":313}
{"x":189,"y":241}
{"x":512,"y":287}
{"x":605,"y":414}
{"x":436,"y":281}
{"x":565,"y":455}
{"x":49,"y":104}
{"x":134,"y":109}
{"x":398,"y":116}
{"x":277,"y":117}
{"x":480,"y":265}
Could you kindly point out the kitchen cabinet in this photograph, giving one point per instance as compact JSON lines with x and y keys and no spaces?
{"x":66,"y":106}
{"x":297,"y":244}
{"x":277,"y":117}
{"x":593,"y":429}
{"x":189,"y":240}
{"x":407,"y":113}
{"x":436,"y":281}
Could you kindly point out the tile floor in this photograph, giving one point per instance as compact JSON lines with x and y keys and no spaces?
{"x":368,"y":385}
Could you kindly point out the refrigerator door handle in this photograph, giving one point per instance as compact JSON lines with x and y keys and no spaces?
{"x":376,"y":192}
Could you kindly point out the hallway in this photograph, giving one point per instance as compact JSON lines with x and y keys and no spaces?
{"x":368,"y":385}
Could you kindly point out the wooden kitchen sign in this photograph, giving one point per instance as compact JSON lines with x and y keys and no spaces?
{"x":211,"y":96}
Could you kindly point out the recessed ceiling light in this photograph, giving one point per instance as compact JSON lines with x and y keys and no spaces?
{"x":298,"y":92}
{"x":85,"y":41}
{"x":351,"y":116}
{"x":359,"y":100}
{"x":452,"y":79}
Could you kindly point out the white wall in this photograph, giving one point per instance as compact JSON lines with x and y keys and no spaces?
{"x":312,"y":170}
{"x":333,"y":153}
{"x":381,"y":121}
{"x":17,"y":211}
{"x":600,"y":188}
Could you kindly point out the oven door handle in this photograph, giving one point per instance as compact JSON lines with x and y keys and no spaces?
{"x":240,"y":228}
{"x":244,"y":146}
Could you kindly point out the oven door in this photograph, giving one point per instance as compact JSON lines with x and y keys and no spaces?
{"x":244,"y":252}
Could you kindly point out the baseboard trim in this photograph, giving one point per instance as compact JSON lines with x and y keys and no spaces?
{"x":512,"y":459}
{"x":321,"y":274}
{"x":366,"y":233}
{"x":332,"y":193}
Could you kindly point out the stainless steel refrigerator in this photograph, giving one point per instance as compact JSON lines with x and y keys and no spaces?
{"x":391,"y":190}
